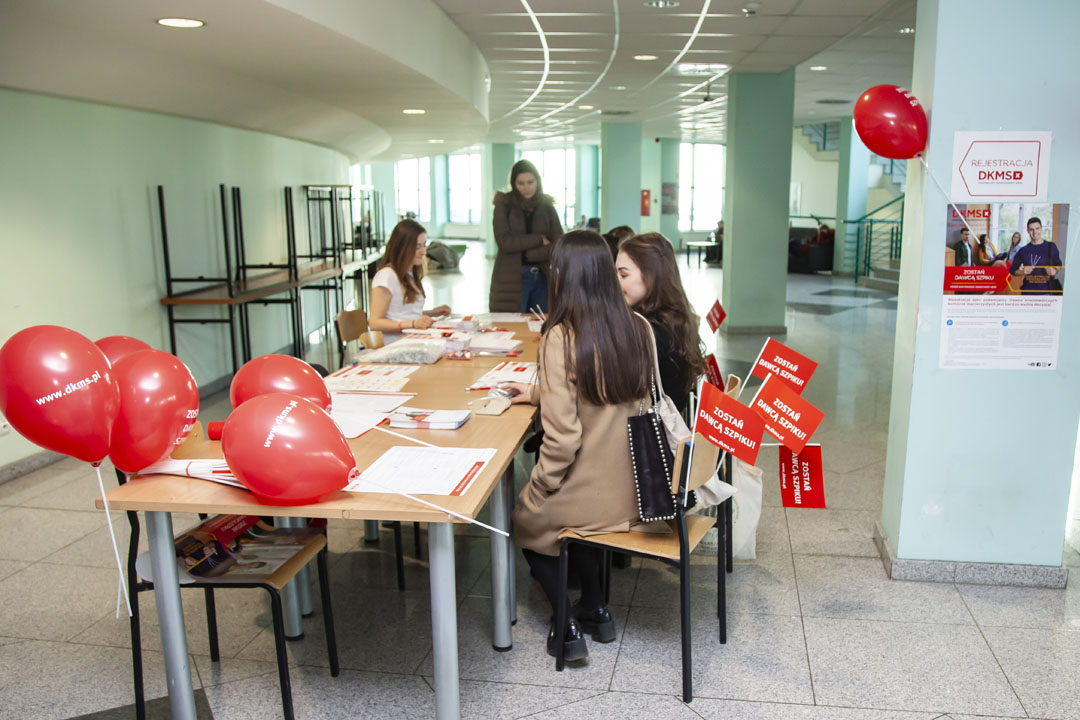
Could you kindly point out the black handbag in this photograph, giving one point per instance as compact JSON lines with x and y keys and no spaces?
{"x":652,"y":461}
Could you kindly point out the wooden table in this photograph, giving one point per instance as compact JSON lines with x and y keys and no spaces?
{"x":440,"y":386}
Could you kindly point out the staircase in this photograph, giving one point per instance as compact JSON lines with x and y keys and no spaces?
{"x":894,"y":170}
{"x":886,"y":279}
{"x":825,"y":136}
{"x":878,"y":241}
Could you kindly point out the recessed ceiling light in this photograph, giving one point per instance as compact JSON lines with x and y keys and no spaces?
{"x":644,"y":57}
{"x":661,"y":4}
{"x":180,"y":22}
{"x":618,"y":87}
{"x":906,"y":31}
{"x":701,"y":68}
{"x":818,"y":68}
{"x":435,"y":141}
{"x":413,"y":111}
{"x":584,"y":107}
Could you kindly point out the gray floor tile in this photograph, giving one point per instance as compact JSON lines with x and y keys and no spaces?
{"x":1042,"y":667}
{"x":528,"y":662}
{"x":832,"y":532}
{"x":21,"y":489}
{"x":622,"y":705}
{"x":764,"y":658}
{"x":9,"y":567}
{"x":44,"y":680}
{"x":29,"y":534}
{"x":1021,"y":607}
{"x":857,"y":490}
{"x":374,"y":566}
{"x":859,"y":589}
{"x":888,"y":665}
{"x":54,"y":602}
{"x":317,"y":696}
{"x":231,"y":669}
{"x":741,"y":710}
{"x":765,"y":585}
{"x":1070,"y":557}
{"x":491,"y":701}
{"x":79,"y":493}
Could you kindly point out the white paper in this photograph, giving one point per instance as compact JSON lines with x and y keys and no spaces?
{"x":506,"y":372}
{"x":536,"y":325}
{"x":213,"y":469}
{"x":368,"y":402}
{"x":366,"y":377}
{"x":354,"y":424}
{"x":423,"y":470}
{"x":995,"y":332}
{"x":498,"y":341}
{"x":998,"y":166}
{"x":504,"y":317}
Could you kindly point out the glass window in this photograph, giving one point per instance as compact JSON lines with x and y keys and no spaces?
{"x":464,"y":171}
{"x":701,"y":186}
{"x":558,"y":171}
{"x":412,"y":187}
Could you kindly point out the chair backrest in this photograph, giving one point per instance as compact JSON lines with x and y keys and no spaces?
{"x":372,"y":339}
{"x":702,"y":464}
{"x":351,"y":325}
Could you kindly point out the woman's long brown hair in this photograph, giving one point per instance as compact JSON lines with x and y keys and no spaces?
{"x":665,"y":302}
{"x":610,"y":362}
{"x":399,"y":254}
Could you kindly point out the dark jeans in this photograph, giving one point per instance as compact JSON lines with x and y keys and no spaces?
{"x":534,"y":289}
{"x":584,"y":563}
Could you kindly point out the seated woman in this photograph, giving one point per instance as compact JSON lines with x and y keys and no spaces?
{"x":594,"y":371}
{"x":397,"y":297}
{"x":649,"y":276}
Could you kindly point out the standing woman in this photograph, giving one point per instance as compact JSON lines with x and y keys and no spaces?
{"x":649,"y":276}
{"x":594,"y":372}
{"x":397,"y":297}
{"x":525,"y":225}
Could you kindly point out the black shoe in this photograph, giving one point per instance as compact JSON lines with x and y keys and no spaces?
{"x":597,"y":623}
{"x":574,"y":646}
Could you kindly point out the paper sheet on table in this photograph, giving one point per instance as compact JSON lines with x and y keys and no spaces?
{"x":368,"y":377}
{"x":498,"y":341}
{"x":369,"y":402}
{"x":536,"y":325}
{"x":423,"y":470}
{"x":354,"y":424}
{"x":213,"y":469}
{"x":506,"y":372}
{"x":504,"y":317}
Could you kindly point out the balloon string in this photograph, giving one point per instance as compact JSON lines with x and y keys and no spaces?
{"x":433,"y":505}
{"x":945,"y":194}
{"x":122,"y":585}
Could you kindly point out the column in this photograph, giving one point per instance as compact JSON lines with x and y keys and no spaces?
{"x":979,"y":461}
{"x":620,"y":175}
{"x":497,"y":160}
{"x":440,"y":195}
{"x":669,"y":175}
{"x":757,"y":184}
{"x":851,"y":180}
{"x":650,"y":180}
{"x":382,"y":178}
{"x":588,"y":180}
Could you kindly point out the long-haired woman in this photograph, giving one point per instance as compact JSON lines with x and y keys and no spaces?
{"x":594,"y":372}
{"x":397,"y":297}
{"x":525,"y":224}
{"x":649,"y":277}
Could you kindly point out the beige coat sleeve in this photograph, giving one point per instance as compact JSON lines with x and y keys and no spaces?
{"x":558,"y":412}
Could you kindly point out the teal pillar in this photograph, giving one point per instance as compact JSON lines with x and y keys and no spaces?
{"x":587,"y":187}
{"x":979,"y":461}
{"x":382,"y":179}
{"x":851,"y":179}
{"x":620,"y":175}
{"x":651,"y":160}
{"x":496,"y":162}
{"x":440,"y":194}
{"x":757,"y":185}
{"x":669,"y":176}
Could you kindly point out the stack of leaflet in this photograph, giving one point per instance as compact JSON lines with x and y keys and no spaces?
{"x":407,"y":417}
{"x":506,"y":372}
{"x":215,"y":470}
{"x":356,"y":413}
{"x":501,"y":342}
{"x":370,"y":378}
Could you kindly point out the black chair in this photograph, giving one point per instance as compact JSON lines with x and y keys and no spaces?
{"x":673,"y":549}
{"x":314,"y":548}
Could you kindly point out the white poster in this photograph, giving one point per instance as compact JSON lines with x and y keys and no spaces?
{"x":1000,"y":166}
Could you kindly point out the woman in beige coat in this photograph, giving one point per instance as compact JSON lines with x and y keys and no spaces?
{"x":593,"y":375}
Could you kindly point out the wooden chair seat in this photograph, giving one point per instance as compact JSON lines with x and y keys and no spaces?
{"x":661,"y":545}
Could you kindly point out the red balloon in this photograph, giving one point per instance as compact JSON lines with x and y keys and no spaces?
{"x":56,"y":388}
{"x":891,"y":122}
{"x":286,"y":450}
{"x":117,"y":347}
{"x":159,"y":403}
{"x":278,"y":374}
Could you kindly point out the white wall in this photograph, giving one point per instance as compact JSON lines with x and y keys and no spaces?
{"x":816,"y":173}
{"x":80,"y":238}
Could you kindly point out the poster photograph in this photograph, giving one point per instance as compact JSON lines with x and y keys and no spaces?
{"x":1004,"y":284}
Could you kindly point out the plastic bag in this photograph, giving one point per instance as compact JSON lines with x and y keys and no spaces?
{"x":745,"y":509}
{"x":405,"y":352}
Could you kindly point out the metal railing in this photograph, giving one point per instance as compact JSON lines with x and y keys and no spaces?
{"x":879,"y":237}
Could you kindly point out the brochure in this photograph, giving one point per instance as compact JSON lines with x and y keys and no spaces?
{"x":407,"y":417}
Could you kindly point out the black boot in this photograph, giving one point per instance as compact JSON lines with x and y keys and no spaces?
{"x":574,"y":646}
{"x":597,"y":623}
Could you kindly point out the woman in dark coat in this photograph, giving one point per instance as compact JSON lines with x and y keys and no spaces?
{"x":525,"y":225}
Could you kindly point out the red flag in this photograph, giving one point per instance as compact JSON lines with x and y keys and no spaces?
{"x":786,"y":415}
{"x":716,"y":316}
{"x":789,"y":366}
{"x":801,"y":479}
{"x":728,"y":424}
{"x":712,"y":371}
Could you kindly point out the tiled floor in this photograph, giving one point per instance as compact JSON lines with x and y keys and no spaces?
{"x":816,"y":630}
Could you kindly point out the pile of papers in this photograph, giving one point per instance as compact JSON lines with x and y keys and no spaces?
{"x":407,"y":417}
{"x":369,"y":378}
{"x":506,"y":372}
{"x":356,"y":413}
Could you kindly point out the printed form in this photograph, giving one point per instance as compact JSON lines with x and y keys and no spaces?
{"x":423,"y":471}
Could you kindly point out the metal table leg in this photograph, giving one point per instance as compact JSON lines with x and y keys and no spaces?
{"x":444,"y":638}
{"x":290,"y":594}
{"x":159,"y":532}
{"x":501,"y":547}
{"x":303,"y":578}
{"x":371,"y":531}
{"x":509,"y":497}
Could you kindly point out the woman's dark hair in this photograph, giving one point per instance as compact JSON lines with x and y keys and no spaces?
{"x":665,"y":302}
{"x":524,"y":166}
{"x":587,"y":302}
{"x":399,"y":255}
{"x":616,"y":235}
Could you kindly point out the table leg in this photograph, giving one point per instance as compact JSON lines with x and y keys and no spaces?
{"x":371,"y":531}
{"x":501,"y":548}
{"x":509,"y":498}
{"x":159,"y":532}
{"x":444,"y":638}
{"x":290,"y":594}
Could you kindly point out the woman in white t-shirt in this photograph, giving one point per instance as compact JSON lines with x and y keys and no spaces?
{"x":397,"y":297}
